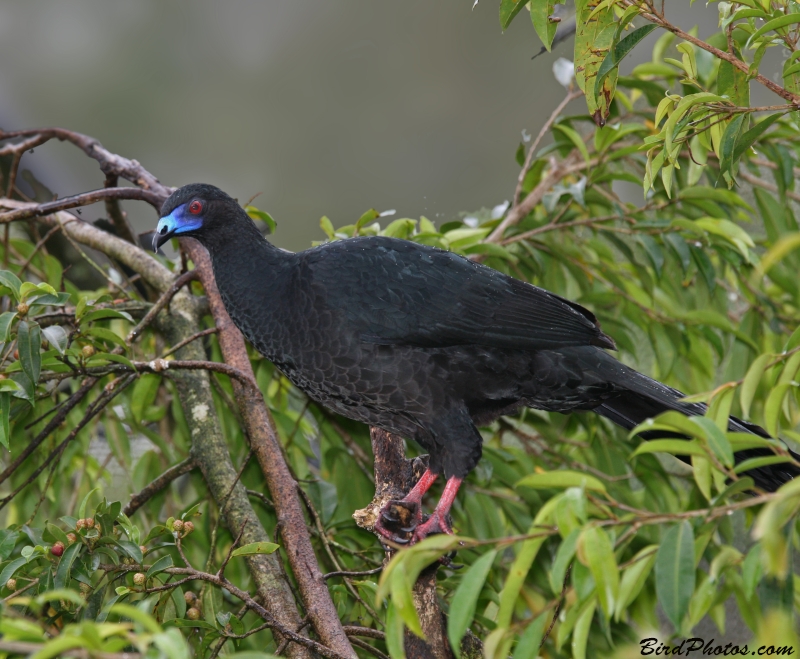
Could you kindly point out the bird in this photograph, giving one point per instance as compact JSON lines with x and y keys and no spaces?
{"x":421,"y":342}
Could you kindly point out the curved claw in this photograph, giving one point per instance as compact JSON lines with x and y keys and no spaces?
{"x":436,"y":523}
{"x":398,"y":521}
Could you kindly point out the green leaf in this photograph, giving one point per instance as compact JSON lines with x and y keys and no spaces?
{"x":509,"y":9}
{"x":633,"y":579}
{"x":265,"y":217}
{"x":672,"y":446}
{"x":144,"y":393}
{"x":594,"y":38}
{"x":675,"y":577}
{"x":104,"y":335}
{"x":620,"y":52}
{"x":595,"y":551}
{"x":6,"y":318}
{"x":733,"y":83}
{"x":103,"y":314}
{"x":531,"y":638}
{"x":29,"y":342}
{"x":774,"y":24}
{"x":716,"y":439}
{"x":561,"y":479}
{"x":564,"y":556}
{"x":752,"y":569}
{"x":573,"y":137}
{"x":778,"y":252}
{"x":752,"y":380}
{"x":541,"y":11}
{"x":465,"y":600}
{"x":522,"y":564}
{"x":728,"y":145}
{"x":137,"y":615}
{"x":256,"y":548}
{"x":772,"y":408}
{"x":57,"y":533}
{"x":394,"y":633}
{"x":580,"y":634}
{"x":159,"y":566}
{"x":10,"y":280}
{"x":57,"y":337}
{"x":327,"y":226}
{"x":65,"y":565}
{"x":11,"y":568}
{"x":85,"y":502}
{"x":183,"y":623}
{"x":5,"y":413}
{"x":748,"y":138}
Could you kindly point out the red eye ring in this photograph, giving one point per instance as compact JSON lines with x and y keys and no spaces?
{"x":195,"y":208}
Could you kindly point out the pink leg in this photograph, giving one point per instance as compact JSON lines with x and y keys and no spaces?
{"x":438,"y":522}
{"x":422,"y":486}
{"x":398,"y":519}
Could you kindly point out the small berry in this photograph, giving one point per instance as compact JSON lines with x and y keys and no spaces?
{"x":85,"y":587}
{"x":22,"y":309}
{"x":87,"y":351}
{"x":11,"y":584}
{"x":139,"y":579}
{"x":81,"y":523}
{"x":72,"y":538}
{"x":188,"y":527}
{"x":189,"y":597}
{"x":89,"y":522}
{"x":193,"y":614}
{"x":143,"y":549}
{"x":3,"y":376}
{"x":16,"y":354}
{"x":57,"y":549}
{"x":177,"y":525}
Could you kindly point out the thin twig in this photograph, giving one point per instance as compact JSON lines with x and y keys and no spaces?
{"x":153,"y":488}
{"x":558,"y":607}
{"x":77,"y":200}
{"x":571,"y":96}
{"x":163,"y":301}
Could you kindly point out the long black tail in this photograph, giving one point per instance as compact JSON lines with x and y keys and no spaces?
{"x":644,"y":398}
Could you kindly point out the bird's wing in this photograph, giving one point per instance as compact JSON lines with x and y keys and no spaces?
{"x":397,"y":292}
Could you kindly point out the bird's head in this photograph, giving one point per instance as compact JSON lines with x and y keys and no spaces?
{"x":194,"y":210}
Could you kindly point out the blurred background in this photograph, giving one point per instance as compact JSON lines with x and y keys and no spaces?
{"x":323,"y":108}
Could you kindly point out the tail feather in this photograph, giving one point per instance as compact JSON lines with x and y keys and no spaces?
{"x":644,"y":398}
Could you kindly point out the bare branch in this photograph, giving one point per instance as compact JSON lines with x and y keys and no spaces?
{"x":149,"y":491}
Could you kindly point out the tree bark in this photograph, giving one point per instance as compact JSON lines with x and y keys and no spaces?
{"x":394,"y":477}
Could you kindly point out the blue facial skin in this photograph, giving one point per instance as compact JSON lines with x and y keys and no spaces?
{"x":179,"y":221}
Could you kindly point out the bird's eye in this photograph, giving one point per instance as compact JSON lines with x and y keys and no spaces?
{"x":195,"y":208}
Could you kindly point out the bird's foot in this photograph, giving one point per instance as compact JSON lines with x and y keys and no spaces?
{"x":398,"y":521}
{"x":437,"y":522}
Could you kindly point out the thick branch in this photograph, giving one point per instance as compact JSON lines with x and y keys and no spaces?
{"x":37,"y":210}
{"x":111,"y":164}
{"x":121,"y":250}
{"x":210,"y":452}
{"x":264,"y":441}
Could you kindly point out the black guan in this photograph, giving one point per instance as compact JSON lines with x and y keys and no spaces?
{"x":420,"y":342}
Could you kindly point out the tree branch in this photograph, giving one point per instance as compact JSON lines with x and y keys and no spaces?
{"x":149,"y":491}
{"x":260,"y":429}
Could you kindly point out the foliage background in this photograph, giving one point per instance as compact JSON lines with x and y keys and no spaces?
{"x":697,"y":283}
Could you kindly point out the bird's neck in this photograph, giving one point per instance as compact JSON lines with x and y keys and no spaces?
{"x":251,"y":275}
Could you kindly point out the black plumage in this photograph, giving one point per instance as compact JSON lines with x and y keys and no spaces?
{"x":419,"y":341}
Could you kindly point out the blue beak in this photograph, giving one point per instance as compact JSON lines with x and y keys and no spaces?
{"x":174,"y":224}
